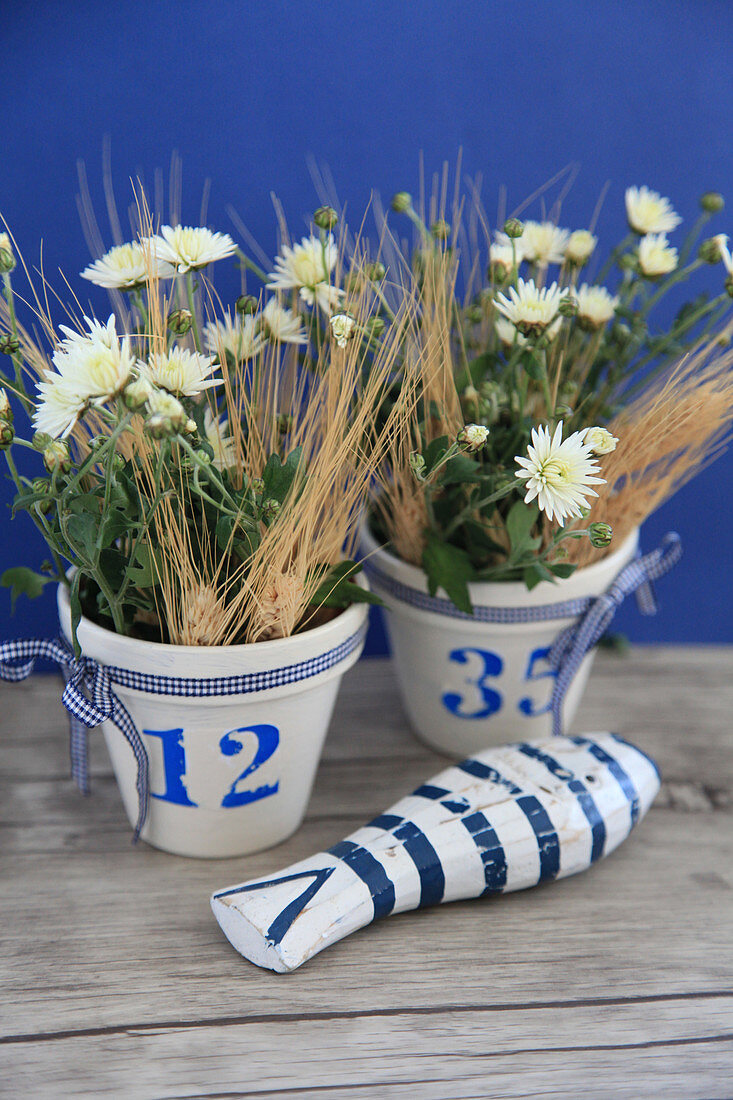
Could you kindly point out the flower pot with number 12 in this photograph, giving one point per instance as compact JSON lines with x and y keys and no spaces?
{"x":467,"y":683}
{"x":233,"y":734}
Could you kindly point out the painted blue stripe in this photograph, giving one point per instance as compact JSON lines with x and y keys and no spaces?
{"x":282,"y":922}
{"x":622,"y":741}
{"x":371,"y":872}
{"x":577,"y":787}
{"x":429,"y":791}
{"x":491,"y":850}
{"x":548,"y":842}
{"x":619,"y":774}
{"x":422,"y":854}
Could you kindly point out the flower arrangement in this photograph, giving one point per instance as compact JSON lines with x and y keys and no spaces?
{"x":204,"y":468}
{"x":550,"y":393}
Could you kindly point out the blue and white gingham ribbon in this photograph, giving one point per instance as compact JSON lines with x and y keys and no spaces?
{"x":593,"y":614}
{"x":90,"y":699}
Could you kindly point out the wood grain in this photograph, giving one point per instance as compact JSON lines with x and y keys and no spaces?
{"x":117,"y":981}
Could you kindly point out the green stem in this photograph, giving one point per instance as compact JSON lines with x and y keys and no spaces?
{"x":250,"y":265}
{"x":192,"y":310}
{"x":19,"y":386}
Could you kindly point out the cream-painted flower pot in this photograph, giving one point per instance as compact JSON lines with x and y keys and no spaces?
{"x":229,"y":774}
{"x":467,"y":684}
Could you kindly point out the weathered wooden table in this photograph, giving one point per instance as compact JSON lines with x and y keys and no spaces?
{"x":616,"y":983}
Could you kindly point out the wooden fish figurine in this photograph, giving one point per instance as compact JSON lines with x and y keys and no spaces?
{"x":507,"y":818}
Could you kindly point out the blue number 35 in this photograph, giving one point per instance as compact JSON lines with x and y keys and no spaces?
{"x":484,"y":700}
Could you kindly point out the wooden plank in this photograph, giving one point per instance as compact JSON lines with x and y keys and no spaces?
{"x":548,"y":1052}
{"x":116,"y":948}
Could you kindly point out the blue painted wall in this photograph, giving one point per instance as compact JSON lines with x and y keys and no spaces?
{"x":637,"y":91}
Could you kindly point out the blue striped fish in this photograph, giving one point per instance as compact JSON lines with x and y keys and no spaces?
{"x":505,"y":819}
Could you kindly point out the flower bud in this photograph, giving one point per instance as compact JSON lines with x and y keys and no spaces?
{"x":7,"y":434}
{"x":8,"y":344}
{"x":401,"y":202}
{"x":600,"y":440}
{"x":729,"y":286}
{"x":7,"y":259}
{"x":562,"y":412}
{"x":473,"y":437}
{"x":41,"y":440}
{"x":56,"y":457}
{"x":246,"y":304}
{"x":440,"y":230}
{"x":342,"y":328}
{"x":118,"y":463}
{"x":325,"y":217}
{"x":190,"y":427}
{"x":180,"y":321}
{"x":513,"y":228}
{"x":568,"y":306}
{"x":41,"y":486}
{"x":376,"y":271}
{"x":710,"y":251}
{"x":352,"y":282}
{"x":270,"y":508}
{"x":580,"y":246}
{"x":474,"y":314}
{"x":284,"y":423}
{"x":600,"y":534}
{"x":712,"y":202}
{"x":470,"y":394}
{"x":417,"y":465}
{"x":137,"y":393}
{"x":6,"y":409}
{"x":161,"y":403}
{"x":158,"y":426}
{"x":257,"y":486}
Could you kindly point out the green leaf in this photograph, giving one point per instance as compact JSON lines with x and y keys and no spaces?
{"x":519,"y":523}
{"x":449,"y":568}
{"x":278,"y":477}
{"x":461,"y":469}
{"x":82,"y":531}
{"x":563,"y":569}
{"x":338,"y":590}
{"x":434,"y":452}
{"x":76,"y":611}
{"x":23,"y":582}
{"x":141,"y":569}
{"x":114,"y":524}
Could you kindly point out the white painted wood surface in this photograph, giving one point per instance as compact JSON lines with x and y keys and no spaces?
{"x":615,"y":983}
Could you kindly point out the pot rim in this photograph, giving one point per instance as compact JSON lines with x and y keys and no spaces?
{"x":119,"y":649}
{"x":589,"y":579}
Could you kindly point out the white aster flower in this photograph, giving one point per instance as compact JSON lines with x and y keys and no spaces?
{"x":531,"y":308}
{"x":595,"y":305}
{"x":580,"y":247}
{"x":656,"y":255}
{"x":91,"y":367}
{"x":180,"y":371}
{"x":342,"y":328}
{"x":648,"y":212}
{"x":544,"y":243}
{"x":188,"y":249}
{"x":239,"y":338}
{"x":507,"y":333}
{"x":502,"y":255}
{"x":162,"y":403}
{"x":600,"y":440}
{"x":222,"y":444}
{"x":559,"y":473}
{"x":307,"y":267}
{"x":721,"y":239}
{"x":282,"y":325}
{"x":125,"y":267}
{"x":473,"y":436}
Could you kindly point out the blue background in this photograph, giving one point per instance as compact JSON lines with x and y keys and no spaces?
{"x":637,"y":91}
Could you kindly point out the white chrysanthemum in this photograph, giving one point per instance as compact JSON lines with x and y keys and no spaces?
{"x":162,"y":403}
{"x":600,"y":440}
{"x":595,"y":305}
{"x":282,"y":325}
{"x":502,"y":255}
{"x":721,"y":239}
{"x":307,"y":267}
{"x":544,"y":243}
{"x":649,"y":212}
{"x":342,"y":328}
{"x":580,"y":247}
{"x":125,"y":267}
{"x":180,"y":371}
{"x":188,"y":249}
{"x":92,"y":367}
{"x":223,"y":446}
{"x":239,"y":338}
{"x":531,"y":308}
{"x":473,"y":436}
{"x":656,"y":256}
{"x":559,"y":473}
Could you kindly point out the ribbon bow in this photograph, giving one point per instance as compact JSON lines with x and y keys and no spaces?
{"x":89,"y":699}
{"x":570,"y":647}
